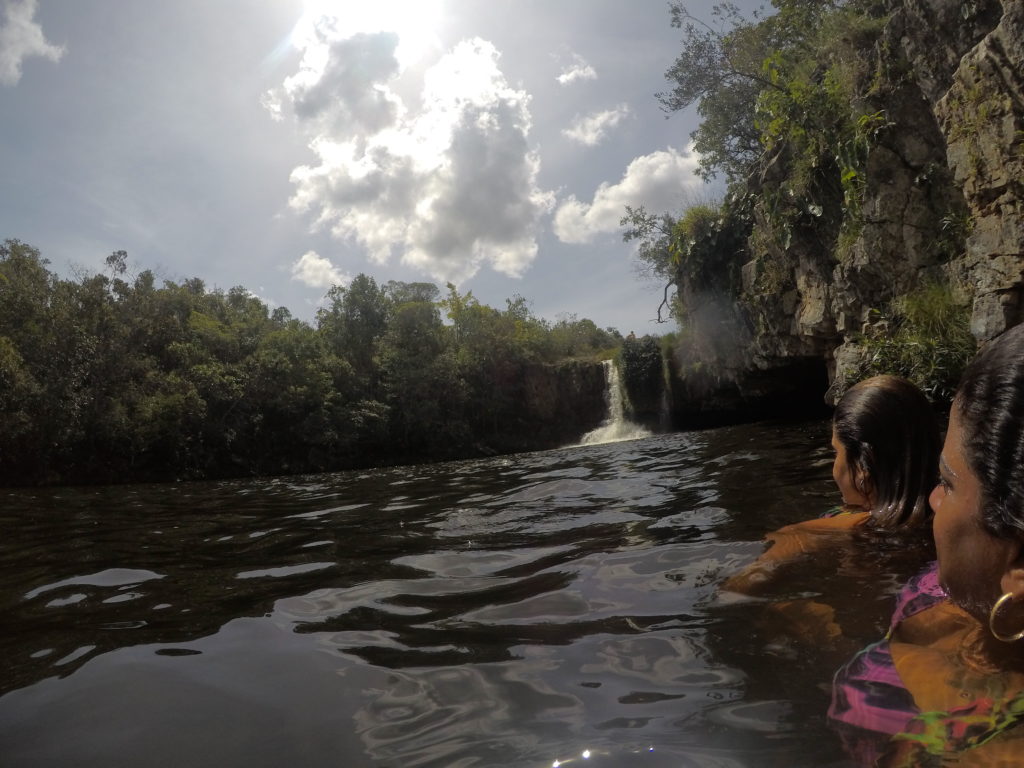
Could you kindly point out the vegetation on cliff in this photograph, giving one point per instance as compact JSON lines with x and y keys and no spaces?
{"x":923,"y":336}
{"x":112,"y":378}
{"x":842,"y":226}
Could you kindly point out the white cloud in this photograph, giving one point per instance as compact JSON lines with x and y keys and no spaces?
{"x":344,"y":81}
{"x":21,"y":38}
{"x":449,"y":187}
{"x":318,"y":272}
{"x":656,"y":181}
{"x":579,"y":69}
{"x":592,"y":129}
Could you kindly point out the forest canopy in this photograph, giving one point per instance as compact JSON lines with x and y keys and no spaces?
{"x":112,"y":377}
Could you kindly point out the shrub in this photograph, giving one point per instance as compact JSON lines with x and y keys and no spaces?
{"x":924,"y":336}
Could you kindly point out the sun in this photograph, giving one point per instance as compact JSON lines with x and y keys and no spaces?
{"x":415,"y":22}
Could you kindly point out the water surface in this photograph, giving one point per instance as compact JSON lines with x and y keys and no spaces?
{"x":559,"y":606}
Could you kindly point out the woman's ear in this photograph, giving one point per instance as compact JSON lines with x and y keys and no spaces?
{"x":1013,"y":575}
{"x":862,"y":480}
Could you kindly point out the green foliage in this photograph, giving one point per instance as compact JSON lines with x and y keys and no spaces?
{"x":954,"y":229}
{"x":754,"y":77}
{"x":699,"y":252}
{"x":785,"y":101}
{"x":816,"y":126}
{"x":571,"y":337}
{"x":111,"y":379}
{"x":653,"y":235}
{"x":708,"y":248}
{"x":784,"y":92}
{"x":719,"y":69}
{"x":354,"y":319}
{"x":640,"y":365}
{"x":924,"y":336}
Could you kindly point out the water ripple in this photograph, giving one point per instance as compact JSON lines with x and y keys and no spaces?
{"x":513,"y":611}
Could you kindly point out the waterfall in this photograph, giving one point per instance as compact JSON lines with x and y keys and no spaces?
{"x":615,"y":427}
{"x":665,"y":412}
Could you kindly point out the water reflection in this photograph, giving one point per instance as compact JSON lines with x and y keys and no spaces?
{"x":511,"y":611}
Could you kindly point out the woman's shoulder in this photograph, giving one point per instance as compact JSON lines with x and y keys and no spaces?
{"x":839,"y":519}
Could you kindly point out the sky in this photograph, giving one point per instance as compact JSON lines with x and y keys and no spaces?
{"x":287,"y":146}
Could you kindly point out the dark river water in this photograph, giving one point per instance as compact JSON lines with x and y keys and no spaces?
{"x":552,"y":608}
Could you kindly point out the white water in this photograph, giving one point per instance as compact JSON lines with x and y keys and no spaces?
{"x":615,"y":428}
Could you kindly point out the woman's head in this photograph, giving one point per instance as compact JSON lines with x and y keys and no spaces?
{"x":979,"y":504}
{"x":887,"y":446}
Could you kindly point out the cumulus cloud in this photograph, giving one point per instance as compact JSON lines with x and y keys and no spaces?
{"x":318,"y":272}
{"x":447,"y":187}
{"x":577,"y":70}
{"x":656,"y":181}
{"x":21,"y":38}
{"x":591,"y":129}
{"x":345,"y":82}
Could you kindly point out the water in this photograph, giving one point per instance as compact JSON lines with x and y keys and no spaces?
{"x":512,"y":611}
{"x":616,"y":427}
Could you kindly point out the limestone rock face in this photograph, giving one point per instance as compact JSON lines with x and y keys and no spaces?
{"x":943,"y":194}
{"x":934,"y":35}
{"x":981,"y":116}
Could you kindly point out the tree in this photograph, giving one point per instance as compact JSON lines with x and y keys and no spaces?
{"x":641,"y":365}
{"x":424,"y":391}
{"x":352,"y":322}
{"x":117,"y":262}
{"x":108,"y":379}
{"x":19,"y":401}
{"x":653,"y":235}
{"x":722,"y":68}
{"x":719,"y":69}
{"x":26,"y":289}
{"x":572,"y":337}
{"x":404,"y":293}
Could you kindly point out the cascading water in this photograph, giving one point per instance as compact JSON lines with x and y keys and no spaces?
{"x":615,"y":427}
{"x":665,"y":412}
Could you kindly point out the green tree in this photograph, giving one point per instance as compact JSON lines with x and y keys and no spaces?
{"x":719,"y":69}
{"x":353,"y":320}
{"x":424,"y":391}
{"x":110,"y":377}
{"x":642,"y":377}
{"x":723,"y":69}
{"x":572,"y":337}
{"x":404,"y":293}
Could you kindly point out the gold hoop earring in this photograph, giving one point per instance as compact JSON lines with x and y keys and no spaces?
{"x":992,"y":621}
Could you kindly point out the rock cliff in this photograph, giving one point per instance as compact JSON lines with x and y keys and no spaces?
{"x":559,"y":402}
{"x":941,"y":198}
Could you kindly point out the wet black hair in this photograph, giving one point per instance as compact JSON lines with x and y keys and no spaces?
{"x":891,"y":437}
{"x":990,"y":404}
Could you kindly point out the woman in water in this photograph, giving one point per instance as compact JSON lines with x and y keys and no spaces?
{"x":949,"y":676}
{"x":886,"y":445}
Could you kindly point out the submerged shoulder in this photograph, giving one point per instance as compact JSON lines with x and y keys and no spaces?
{"x":840,"y":521}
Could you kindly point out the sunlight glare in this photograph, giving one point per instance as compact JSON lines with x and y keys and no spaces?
{"x":414,"y":21}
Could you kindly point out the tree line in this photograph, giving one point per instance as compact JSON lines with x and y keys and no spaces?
{"x":111,"y":377}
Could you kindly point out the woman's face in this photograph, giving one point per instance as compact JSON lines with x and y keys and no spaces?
{"x":849,"y":484}
{"x":971,"y":560}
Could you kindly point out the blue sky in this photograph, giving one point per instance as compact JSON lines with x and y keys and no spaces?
{"x":284,"y":145}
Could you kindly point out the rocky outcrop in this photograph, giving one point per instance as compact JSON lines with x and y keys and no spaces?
{"x":942,"y":198}
{"x":560,"y":403}
{"x":981,"y":116}
{"x":794,"y":388}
